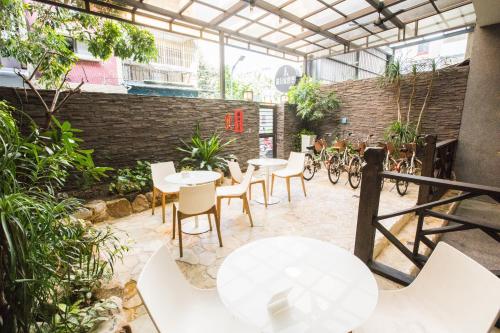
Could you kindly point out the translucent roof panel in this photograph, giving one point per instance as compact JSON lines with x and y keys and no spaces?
{"x":326,"y":43}
{"x":276,"y":37}
{"x":297,"y":44}
{"x":222,"y":4}
{"x":302,"y":8}
{"x":413,"y":14}
{"x":252,"y":13}
{"x":255,"y":30}
{"x":314,"y":38}
{"x":274,"y":21}
{"x":294,"y":29}
{"x":444,"y":4}
{"x":343,"y":27}
{"x":277,"y":3}
{"x":234,"y":23}
{"x":450,"y":19}
{"x":201,"y":12}
{"x":350,"y":6}
{"x":323,"y":17}
{"x":309,"y":48}
{"x":354,"y":34}
{"x":172,"y":5}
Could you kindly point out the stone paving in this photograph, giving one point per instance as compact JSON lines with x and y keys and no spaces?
{"x":329,"y":212}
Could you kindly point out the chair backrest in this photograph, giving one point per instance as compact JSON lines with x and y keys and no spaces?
{"x":457,"y":289}
{"x":162,"y":288}
{"x":235,"y":170}
{"x":248,"y":177}
{"x":196,"y":199}
{"x":161,"y":170}
{"x":296,"y":161}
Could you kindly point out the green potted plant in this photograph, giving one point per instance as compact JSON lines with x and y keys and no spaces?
{"x":312,"y":106}
{"x":205,"y":153}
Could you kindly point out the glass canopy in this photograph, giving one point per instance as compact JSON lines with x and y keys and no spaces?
{"x":292,"y":29}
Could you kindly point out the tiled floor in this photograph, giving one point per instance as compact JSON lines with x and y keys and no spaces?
{"x":329,"y":212}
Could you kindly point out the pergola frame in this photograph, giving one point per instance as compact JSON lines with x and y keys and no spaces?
{"x":300,"y":39}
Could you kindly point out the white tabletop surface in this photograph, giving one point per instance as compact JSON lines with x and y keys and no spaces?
{"x":267,"y":162}
{"x":330,"y":290}
{"x":193,"y":177}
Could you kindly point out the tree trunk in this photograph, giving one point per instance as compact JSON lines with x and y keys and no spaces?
{"x":426,"y":100}
{"x":412,"y":95}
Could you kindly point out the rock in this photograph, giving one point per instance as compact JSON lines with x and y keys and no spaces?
{"x":83,"y":213}
{"x":99,"y":211}
{"x":119,"y":207}
{"x":133,"y":302}
{"x":117,"y":322}
{"x":149,"y":196}
{"x":140,"y":203}
{"x":109,"y":289}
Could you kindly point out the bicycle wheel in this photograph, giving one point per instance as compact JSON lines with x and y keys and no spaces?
{"x":309,"y":168}
{"x":402,"y":185}
{"x":354,"y":172}
{"x":334,"y":168}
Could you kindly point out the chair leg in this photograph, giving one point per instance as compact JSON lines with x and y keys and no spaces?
{"x":288,"y":187}
{"x":247,"y":206}
{"x":209,"y":221}
{"x":174,"y":221}
{"x":264,"y":193}
{"x":303,"y":185}
{"x":250,"y":192}
{"x":163,"y":203}
{"x":272,"y":184}
{"x":219,"y":200}
{"x":217,"y":225}
{"x":153,"y":202}
{"x":179,"y":226}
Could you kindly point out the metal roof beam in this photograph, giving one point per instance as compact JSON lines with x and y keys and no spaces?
{"x":295,"y":19}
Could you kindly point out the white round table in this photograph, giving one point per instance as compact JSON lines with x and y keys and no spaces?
{"x":268,"y":163}
{"x":190,"y":178}
{"x":297,"y":285}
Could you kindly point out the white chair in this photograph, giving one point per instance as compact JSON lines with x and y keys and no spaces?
{"x":194,"y":201}
{"x":158,"y":172}
{"x":452,"y":294}
{"x":294,"y":168}
{"x":177,"y":307}
{"x":237,"y":191}
{"x":237,"y":178}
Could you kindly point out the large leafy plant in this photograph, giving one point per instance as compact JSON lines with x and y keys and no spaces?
{"x":204,"y":153}
{"x":312,"y":104}
{"x":48,"y":261}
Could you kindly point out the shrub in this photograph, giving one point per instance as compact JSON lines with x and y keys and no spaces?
{"x":132,"y":180}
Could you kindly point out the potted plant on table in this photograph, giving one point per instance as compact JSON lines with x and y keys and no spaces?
{"x":312,"y":106}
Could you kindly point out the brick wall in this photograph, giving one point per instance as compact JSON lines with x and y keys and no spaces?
{"x":370,"y":108}
{"x":124,"y":128}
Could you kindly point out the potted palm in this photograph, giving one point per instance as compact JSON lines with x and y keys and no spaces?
{"x":205,"y":153}
{"x":311,"y":106}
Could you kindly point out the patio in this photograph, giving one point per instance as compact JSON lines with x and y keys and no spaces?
{"x":384,"y":112}
{"x":328,"y":213}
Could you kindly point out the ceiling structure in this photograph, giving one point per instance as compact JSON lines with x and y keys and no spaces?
{"x":291,"y":29}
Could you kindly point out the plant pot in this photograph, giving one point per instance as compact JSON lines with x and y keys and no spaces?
{"x":306,"y":141}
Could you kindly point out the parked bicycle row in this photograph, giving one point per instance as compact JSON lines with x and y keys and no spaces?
{"x":347,"y":155}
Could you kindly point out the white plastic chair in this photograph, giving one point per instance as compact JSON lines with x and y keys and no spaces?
{"x":452,"y":294}
{"x":294,"y":168}
{"x":194,"y":201}
{"x":177,"y":307}
{"x":158,"y":173}
{"x":237,"y":191}
{"x":237,"y":177}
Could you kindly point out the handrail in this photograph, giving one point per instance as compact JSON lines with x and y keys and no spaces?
{"x":443,"y":143}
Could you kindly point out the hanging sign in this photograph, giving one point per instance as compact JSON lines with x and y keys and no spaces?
{"x":227,"y":122}
{"x":238,"y":121}
{"x":285,"y":78}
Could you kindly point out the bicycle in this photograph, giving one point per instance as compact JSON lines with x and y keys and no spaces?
{"x":319,"y":155}
{"x":409,"y":164}
{"x":355,"y":165}
{"x":389,"y":163}
{"x":339,"y":160}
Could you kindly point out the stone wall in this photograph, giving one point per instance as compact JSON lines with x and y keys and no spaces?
{"x":125,"y":128}
{"x":370,"y":108}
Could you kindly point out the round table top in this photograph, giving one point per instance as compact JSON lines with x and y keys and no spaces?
{"x":297,"y":285}
{"x":193,"y":177}
{"x":267,"y":162}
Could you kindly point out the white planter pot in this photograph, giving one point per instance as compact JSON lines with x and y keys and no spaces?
{"x":307,"y":141}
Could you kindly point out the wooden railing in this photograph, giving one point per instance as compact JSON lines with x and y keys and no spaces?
{"x":436,"y":166}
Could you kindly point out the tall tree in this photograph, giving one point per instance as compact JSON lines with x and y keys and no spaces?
{"x":41,"y":36}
